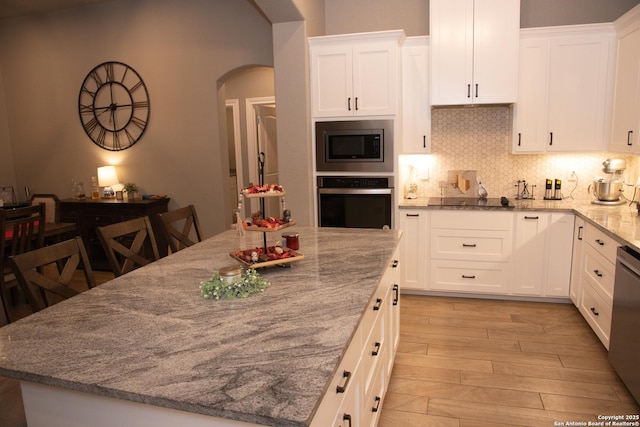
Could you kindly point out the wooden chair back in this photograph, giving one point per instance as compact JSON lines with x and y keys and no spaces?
{"x":181,"y":228}
{"x":52,"y":203}
{"x":128,"y":244}
{"x":39,"y":285}
{"x":20,"y":232}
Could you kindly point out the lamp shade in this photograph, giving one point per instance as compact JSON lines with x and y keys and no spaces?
{"x":107,"y":176}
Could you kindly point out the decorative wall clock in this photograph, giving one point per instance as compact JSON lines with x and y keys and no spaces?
{"x":114,"y":106}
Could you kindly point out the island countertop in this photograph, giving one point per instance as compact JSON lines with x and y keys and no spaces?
{"x":149,"y":336}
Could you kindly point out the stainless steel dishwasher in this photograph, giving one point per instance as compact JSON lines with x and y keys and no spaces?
{"x":624,"y":344}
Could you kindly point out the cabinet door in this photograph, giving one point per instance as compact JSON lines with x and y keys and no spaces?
{"x":625,"y":136}
{"x":578,"y":68}
{"x":530,"y":119}
{"x":531,"y":235}
{"x":375,"y":78}
{"x":416,"y":114}
{"x":496,"y":32}
{"x":331,"y":80}
{"x":413,"y":249}
{"x":451,"y":27}
{"x":577,"y":260}
{"x":558,"y":259}
{"x":474,"y":51}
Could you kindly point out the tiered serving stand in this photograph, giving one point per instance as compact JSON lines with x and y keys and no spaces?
{"x":263,"y":259}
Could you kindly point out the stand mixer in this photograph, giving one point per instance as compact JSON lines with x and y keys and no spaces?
{"x":608,"y":189}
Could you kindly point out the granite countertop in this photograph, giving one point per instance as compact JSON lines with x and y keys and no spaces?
{"x":620,"y":221}
{"x":149,"y":337}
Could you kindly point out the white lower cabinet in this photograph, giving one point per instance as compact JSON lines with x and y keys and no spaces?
{"x":487,"y":252}
{"x":575,"y":289}
{"x":542,"y":256}
{"x":356,"y":392}
{"x":597,"y":275}
{"x":470,"y":251}
{"x":414,"y":224}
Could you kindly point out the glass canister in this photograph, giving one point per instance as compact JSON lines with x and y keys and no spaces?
{"x":231,"y":274}
{"x":292,"y":240}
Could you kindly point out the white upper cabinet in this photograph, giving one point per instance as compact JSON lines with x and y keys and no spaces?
{"x":625,"y":135}
{"x":564,"y":88}
{"x":474,"y":51}
{"x":416,"y":112}
{"x":355,"y":75}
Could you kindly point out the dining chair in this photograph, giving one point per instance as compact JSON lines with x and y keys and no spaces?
{"x":20,"y":232}
{"x":128,"y":244}
{"x":44,"y":288}
{"x":52,"y":203}
{"x":180,"y":228}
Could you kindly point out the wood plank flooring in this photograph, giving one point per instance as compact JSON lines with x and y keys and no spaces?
{"x":470,"y":362}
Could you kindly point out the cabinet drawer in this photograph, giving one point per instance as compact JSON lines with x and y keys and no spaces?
{"x":603,"y":243}
{"x":472,"y":220}
{"x":344,"y":385}
{"x":601,"y":272}
{"x":596,"y":311}
{"x":374,"y":346}
{"x":473,"y":245}
{"x":469,"y":276}
{"x":373,"y":399}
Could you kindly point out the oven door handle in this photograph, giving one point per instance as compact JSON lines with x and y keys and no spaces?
{"x":355,"y":190}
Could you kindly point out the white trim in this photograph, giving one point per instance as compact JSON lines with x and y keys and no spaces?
{"x":234,"y":104}
{"x":251,"y":133}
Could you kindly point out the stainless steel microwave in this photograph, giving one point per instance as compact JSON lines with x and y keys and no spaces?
{"x":354,"y":146}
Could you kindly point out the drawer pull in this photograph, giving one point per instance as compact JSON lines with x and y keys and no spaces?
{"x":376,"y":408}
{"x":396,"y":294}
{"x":600,"y":242}
{"x":464,"y":276}
{"x":595,"y":311}
{"x":531,"y":217}
{"x":376,"y":349}
{"x":347,"y":417}
{"x":341,"y":388}
{"x":468,"y":245}
{"x":378,"y":304}
{"x":597,"y":273}
{"x":395,"y":264}
{"x":412,"y":215}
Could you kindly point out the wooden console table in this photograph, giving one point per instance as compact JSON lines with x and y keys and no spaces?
{"x":88,"y":214}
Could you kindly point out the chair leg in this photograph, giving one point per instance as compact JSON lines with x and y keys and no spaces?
{"x":4,"y":319}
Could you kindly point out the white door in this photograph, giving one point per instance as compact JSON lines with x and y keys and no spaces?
{"x":262,"y":138}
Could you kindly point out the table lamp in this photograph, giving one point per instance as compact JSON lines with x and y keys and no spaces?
{"x":106,"y":178}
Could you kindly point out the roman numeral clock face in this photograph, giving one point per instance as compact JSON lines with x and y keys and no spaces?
{"x":114,"y":106}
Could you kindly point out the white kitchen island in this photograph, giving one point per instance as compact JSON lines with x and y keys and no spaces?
{"x":146,"y":349}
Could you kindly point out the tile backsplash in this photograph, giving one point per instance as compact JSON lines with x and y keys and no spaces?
{"x":479,"y":139}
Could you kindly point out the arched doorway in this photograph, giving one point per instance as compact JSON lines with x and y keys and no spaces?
{"x":249,"y":97}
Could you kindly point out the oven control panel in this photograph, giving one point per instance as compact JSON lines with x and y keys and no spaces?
{"x":354,"y":182}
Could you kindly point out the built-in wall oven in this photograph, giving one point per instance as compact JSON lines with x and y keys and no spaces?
{"x":355,"y":202}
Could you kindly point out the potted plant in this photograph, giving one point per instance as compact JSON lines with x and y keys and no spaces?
{"x":131,"y":189}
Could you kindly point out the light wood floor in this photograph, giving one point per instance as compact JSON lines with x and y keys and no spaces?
{"x":469,"y":362}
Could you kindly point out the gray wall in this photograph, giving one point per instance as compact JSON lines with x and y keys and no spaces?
{"x":181,"y":48}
